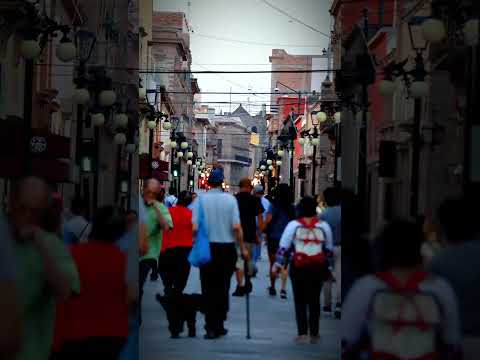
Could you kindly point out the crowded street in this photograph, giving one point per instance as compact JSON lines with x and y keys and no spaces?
{"x":254,"y":179}
{"x":271,"y":328}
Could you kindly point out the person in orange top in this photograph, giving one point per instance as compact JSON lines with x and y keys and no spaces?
{"x":94,"y":324}
{"x":177,"y":244}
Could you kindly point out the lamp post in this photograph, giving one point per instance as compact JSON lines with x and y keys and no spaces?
{"x":85,"y":42}
{"x":287,"y":138}
{"x":455,"y":21}
{"x":417,"y":88}
{"x":39,"y":28}
{"x":299,"y":94}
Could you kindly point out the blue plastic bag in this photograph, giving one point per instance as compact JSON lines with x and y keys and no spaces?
{"x":200,"y":253}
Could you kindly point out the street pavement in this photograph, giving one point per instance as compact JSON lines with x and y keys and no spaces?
{"x":273,"y":328}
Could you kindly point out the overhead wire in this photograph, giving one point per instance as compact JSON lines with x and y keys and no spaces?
{"x":294,"y":18}
{"x":254,"y":43}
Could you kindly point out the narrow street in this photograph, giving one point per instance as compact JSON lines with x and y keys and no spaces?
{"x":272,"y":329}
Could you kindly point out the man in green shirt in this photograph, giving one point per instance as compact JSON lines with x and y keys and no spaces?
{"x":157,"y":219}
{"x":46,"y":271}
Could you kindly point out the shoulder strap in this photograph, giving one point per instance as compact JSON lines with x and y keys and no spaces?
{"x":310,"y":225}
{"x":410,"y":285}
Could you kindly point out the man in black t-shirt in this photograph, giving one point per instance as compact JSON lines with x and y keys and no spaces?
{"x":251,"y":211}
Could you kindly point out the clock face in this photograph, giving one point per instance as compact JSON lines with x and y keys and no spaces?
{"x":38,"y":144}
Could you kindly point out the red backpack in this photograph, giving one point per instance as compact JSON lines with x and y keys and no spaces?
{"x":308,"y":243}
{"x":404,"y":321}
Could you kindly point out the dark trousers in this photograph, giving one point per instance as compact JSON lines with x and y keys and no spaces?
{"x":175,"y":269}
{"x":215,"y":278}
{"x":307,"y":286}
{"x":99,"y":348}
{"x":145,"y":266}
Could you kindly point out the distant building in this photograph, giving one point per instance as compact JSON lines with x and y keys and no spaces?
{"x":233,"y":149}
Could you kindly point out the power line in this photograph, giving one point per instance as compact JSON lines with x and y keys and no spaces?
{"x":152,"y":91}
{"x":294,"y":18}
{"x":254,"y":42}
{"x":236,"y":71}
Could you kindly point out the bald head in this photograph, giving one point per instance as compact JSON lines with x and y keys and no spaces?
{"x":151,"y":189}
{"x":152,"y":184}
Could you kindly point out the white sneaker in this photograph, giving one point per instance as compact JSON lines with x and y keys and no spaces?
{"x":302,"y":339}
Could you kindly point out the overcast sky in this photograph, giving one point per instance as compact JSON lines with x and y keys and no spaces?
{"x":250,"y":21}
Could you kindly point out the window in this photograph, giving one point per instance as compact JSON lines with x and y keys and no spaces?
{"x":219,"y":147}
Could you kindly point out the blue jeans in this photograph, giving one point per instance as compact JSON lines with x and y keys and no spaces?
{"x":130,"y":350}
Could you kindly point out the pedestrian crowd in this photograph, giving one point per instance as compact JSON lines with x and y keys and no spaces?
{"x":411,"y":289}
{"x":302,"y":245}
{"x":69,"y":285}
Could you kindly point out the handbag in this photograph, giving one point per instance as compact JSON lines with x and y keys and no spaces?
{"x":200,"y":253}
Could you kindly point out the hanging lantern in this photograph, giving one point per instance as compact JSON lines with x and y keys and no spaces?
{"x":434,"y":30}
{"x":269,"y":162}
{"x":81,"y":96}
{"x":189,"y":162}
{"x":173,"y":144}
{"x":387,"y":87}
{"x":167,"y":125}
{"x":142,"y":93}
{"x":189,"y":155}
{"x":280,"y":152}
{"x":120,"y":139}
{"x":107,"y":98}
{"x":86,"y":164}
{"x":98,"y":119}
{"x":30,"y":49}
{"x":179,"y":154}
{"x":337,"y":117}
{"x":316,"y":141}
{"x":66,"y":50}
{"x":279,"y":162}
{"x":124,"y":186}
{"x":470,"y":32}
{"x":130,"y":148}
{"x":263,"y":167}
{"x":121,"y":121}
{"x":270,"y":167}
{"x":321,"y":116}
{"x":152,"y":124}
{"x":184,"y":145}
{"x":419,"y":89}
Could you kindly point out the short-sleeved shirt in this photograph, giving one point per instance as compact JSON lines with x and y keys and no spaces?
{"x":288,"y":235}
{"x":359,"y":300}
{"x":221,"y":214}
{"x":181,"y":235}
{"x":38,"y":301}
{"x":333,"y":216}
{"x":155,"y":233}
{"x":7,"y":260}
{"x":250,"y":207}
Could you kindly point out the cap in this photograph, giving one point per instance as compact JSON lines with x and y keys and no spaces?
{"x":216,"y":176}
{"x":258,"y":189}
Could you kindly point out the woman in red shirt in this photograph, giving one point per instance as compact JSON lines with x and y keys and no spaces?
{"x":176,"y":246}
{"x":94,"y":324}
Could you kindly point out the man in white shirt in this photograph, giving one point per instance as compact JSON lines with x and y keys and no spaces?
{"x":222,"y":220}
{"x":77,"y":228}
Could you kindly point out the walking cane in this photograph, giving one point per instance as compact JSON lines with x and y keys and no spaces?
{"x":248,"y":290}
